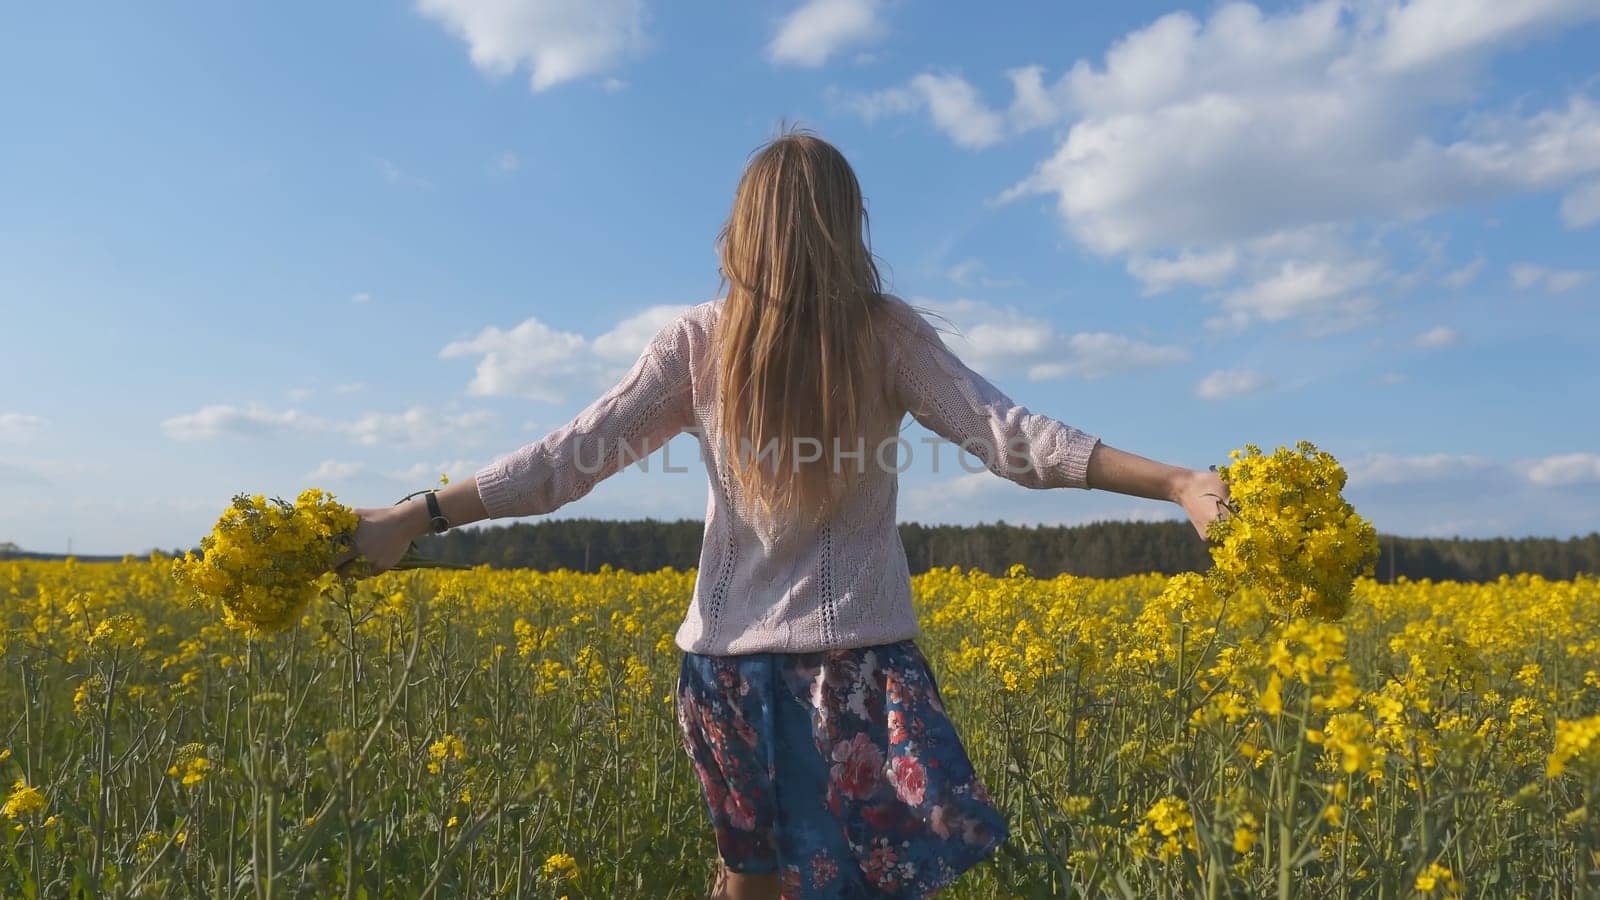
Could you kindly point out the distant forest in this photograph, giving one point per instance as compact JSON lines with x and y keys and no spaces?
{"x":1102,"y":549}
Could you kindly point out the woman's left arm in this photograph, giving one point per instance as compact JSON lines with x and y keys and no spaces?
{"x":1200,"y":492}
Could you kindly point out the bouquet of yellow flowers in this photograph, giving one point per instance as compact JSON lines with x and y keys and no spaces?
{"x":1291,"y":538}
{"x":265,"y":560}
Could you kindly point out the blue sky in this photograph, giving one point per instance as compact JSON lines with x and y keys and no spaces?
{"x":353,"y":245}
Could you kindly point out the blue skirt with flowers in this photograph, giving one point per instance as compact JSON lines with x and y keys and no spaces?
{"x":838,"y":770}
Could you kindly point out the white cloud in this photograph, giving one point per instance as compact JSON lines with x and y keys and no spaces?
{"x":530,"y":360}
{"x":44,"y":471}
{"x":1580,"y":208}
{"x":1427,"y":32}
{"x":1457,"y":279}
{"x":1192,"y":133}
{"x":14,"y":475}
{"x":1097,"y":353}
{"x":299,"y":393}
{"x":416,"y":426}
{"x":1201,"y":136}
{"x":393,"y":174}
{"x":963,"y":272}
{"x":1000,"y":339}
{"x":1204,"y":268}
{"x":1565,"y":470}
{"x":956,"y":107}
{"x":334,"y":470}
{"x":1511,"y":153}
{"x":558,"y":40}
{"x":225,"y":419}
{"x":18,"y":426}
{"x":820,"y":28}
{"x":1032,"y":103}
{"x":1231,"y":383}
{"x":958,"y":111}
{"x":874,"y":105}
{"x":1553,"y":281}
{"x":1319,"y":288}
{"x":1346,"y":315}
{"x":362,"y":297}
{"x":1526,"y":275}
{"x":541,"y":363}
{"x":1311,"y":274}
{"x":429,"y":472}
{"x":349,"y":387}
{"x":623,"y":343}
{"x":1440,"y":336}
{"x":970,"y":273}
{"x":1388,"y":468}
{"x":507,"y":162}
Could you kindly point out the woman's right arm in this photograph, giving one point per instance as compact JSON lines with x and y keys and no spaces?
{"x":649,"y":406}
{"x":383,"y":533}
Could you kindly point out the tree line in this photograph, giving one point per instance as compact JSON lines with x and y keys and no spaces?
{"x":1100,"y":549}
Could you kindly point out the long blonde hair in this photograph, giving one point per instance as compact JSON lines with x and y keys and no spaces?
{"x":796,"y":343}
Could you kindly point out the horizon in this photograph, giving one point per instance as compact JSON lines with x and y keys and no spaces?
{"x":505,"y":523}
{"x":258,"y":250}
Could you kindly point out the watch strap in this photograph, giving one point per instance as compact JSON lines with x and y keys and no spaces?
{"x":437,"y":523}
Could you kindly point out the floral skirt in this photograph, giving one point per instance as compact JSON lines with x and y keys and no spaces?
{"x":838,"y":770}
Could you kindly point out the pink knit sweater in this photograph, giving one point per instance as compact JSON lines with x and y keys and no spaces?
{"x":764,"y":588}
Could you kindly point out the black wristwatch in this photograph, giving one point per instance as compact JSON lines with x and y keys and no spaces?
{"x":437,"y":523}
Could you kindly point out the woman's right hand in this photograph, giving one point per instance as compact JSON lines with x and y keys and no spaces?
{"x":1204,"y":496}
{"x":383,"y":535}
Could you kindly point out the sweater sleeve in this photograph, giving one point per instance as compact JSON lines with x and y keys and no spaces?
{"x":958,"y":404}
{"x":648,"y":407}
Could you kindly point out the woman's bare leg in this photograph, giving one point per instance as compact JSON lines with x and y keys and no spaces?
{"x":734,"y":886}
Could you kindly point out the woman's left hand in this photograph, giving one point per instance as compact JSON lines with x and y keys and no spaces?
{"x":1204,"y":496}
{"x":382,"y":537}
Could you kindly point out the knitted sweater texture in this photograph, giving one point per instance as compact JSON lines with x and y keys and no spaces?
{"x":789,"y":588}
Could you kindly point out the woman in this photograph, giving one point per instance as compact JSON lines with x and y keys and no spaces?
{"x":813,"y":722}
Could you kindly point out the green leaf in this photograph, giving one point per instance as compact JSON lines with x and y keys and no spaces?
{"x":414,"y":559}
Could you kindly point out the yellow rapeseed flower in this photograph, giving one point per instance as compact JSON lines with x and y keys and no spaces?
{"x":191,"y":765}
{"x":264,"y":561}
{"x":1292,"y":538}
{"x":444,"y":751}
{"x":560,"y":866}
{"x":24,"y":800}
{"x":1437,"y":877}
{"x":1170,"y":818}
{"x":1575,"y":742}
